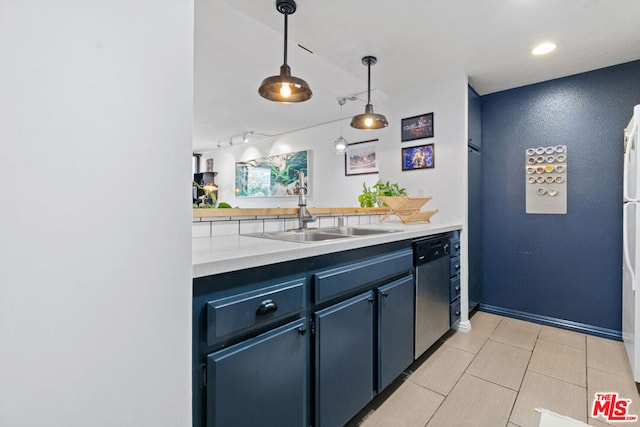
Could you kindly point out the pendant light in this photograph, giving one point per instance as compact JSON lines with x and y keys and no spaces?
{"x":341,"y":144}
{"x":285,"y":87}
{"x":369,"y":120}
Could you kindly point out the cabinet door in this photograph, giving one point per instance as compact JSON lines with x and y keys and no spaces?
{"x":474,"y":229}
{"x":344,"y":360}
{"x":260,"y":382}
{"x":395,"y":329}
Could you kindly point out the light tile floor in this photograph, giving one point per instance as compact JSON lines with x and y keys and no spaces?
{"x":497,"y":374}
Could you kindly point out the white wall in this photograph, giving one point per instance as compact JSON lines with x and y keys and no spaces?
{"x":95,"y":251}
{"x":446,"y":97}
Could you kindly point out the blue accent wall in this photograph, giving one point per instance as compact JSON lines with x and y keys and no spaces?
{"x":560,"y":266}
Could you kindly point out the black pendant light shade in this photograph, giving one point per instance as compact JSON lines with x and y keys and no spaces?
{"x":285,"y":87}
{"x":369,"y":120}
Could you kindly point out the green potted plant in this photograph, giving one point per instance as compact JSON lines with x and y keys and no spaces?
{"x":370,"y":196}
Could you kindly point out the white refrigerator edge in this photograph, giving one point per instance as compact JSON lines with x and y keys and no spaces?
{"x":630,"y":243}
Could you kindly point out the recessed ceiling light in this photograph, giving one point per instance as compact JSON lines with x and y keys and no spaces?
{"x":543,"y":48}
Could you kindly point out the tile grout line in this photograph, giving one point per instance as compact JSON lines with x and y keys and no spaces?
{"x":568,"y":345}
{"x":494,"y":383}
{"x":586,"y":374}
{"x":524,"y":375}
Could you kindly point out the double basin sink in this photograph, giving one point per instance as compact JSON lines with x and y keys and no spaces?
{"x":308,"y":235}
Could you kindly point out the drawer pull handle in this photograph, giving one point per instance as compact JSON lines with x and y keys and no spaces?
{"x":457,"y":246}
{"x":457,"y":288}
{"x":457,"y":266}
{"x":302,"y":330}
{"x":457,"y":312}
{"x":266,"y":307}
{"x":385,"y":294}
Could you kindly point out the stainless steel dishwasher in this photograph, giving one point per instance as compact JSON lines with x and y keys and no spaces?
{"x":431,"y":261}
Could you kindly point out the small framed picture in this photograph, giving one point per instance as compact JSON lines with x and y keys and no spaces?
{"x":360,"y":158}
{"x":417,"y":127}
{"x":420,"y":157}
{"x":209,"y":165}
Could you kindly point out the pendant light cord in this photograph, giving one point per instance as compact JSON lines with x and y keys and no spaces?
{"x":286,"y":27}
{"x":369,"y":82}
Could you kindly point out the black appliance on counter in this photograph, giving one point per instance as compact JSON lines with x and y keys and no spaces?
{"x":206,"y":180}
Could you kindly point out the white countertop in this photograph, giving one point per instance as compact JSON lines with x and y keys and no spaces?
{"x":221,"y":254}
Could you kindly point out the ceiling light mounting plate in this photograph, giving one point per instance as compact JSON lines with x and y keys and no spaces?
{"x":286,"y":7}
{"x":369,"y":60}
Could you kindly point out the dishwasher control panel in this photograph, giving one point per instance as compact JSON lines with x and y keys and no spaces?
{"x":426,"y":250}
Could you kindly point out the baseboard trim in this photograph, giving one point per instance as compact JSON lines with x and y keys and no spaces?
{"x":552,"y":321}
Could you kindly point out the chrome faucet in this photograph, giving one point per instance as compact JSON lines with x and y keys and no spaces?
{"x":304,"y":216}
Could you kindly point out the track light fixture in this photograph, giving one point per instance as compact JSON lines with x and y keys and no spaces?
{"x":340,"y":145}
{"x":369,"y":120}
{"x":285,"y":87}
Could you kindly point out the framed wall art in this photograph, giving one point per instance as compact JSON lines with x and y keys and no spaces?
{"x":360,"y":158}
{"x":419,"y":157}
{"x":417,"y":127}
{"x":272,"y":176}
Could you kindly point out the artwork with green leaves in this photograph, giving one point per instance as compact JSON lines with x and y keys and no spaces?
{"x":272,"y":176}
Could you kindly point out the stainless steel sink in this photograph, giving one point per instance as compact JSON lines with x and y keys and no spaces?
{"x":320,"y":234}
{"x":356,"y":231}
{"x":299,"y":236}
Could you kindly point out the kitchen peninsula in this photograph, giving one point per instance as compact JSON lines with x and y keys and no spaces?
{"x":271,"y":319}
{"x":224,"y":253}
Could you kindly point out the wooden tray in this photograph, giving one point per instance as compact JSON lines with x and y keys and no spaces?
{"x":408,"y":208}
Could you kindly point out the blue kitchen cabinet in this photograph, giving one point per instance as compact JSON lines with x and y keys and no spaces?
{"x":344,"y":363}
{"x":454,"y":278}
{"x":307,"y":342}
{"x":261,"y":381}
{"x":396,"y":320}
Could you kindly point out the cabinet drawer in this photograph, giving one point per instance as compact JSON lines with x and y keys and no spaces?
{"x":340,"y":280}
{"x":454,"y":266}
{"x":454,"y":290}
{"x":454,"y":312}
{"x":454,"y":248}
{"x":234,"y":315}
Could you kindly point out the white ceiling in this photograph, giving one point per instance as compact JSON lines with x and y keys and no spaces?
{"x":240,"y":42}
